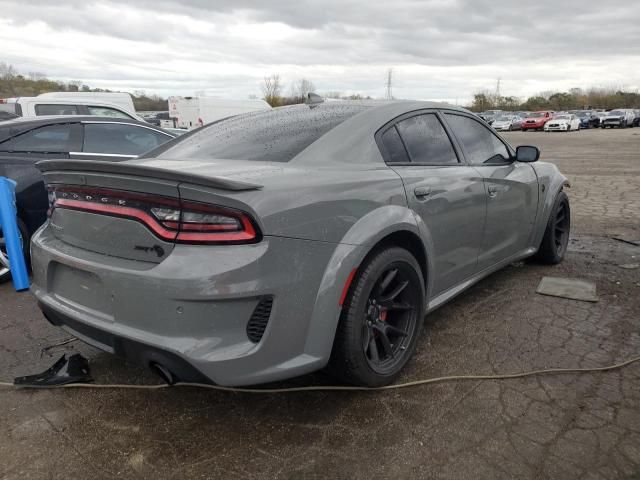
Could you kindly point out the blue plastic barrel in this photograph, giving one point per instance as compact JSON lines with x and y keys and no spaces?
{"x":11,"y":234}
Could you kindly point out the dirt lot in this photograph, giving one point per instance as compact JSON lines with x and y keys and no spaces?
{"x":559,"y":427}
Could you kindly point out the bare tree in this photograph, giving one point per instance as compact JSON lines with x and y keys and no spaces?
{"x":7,"y":70}
{"x":75,"y":85}
{"x":272,"y":89}
{"x":302,"y":88}
{"x":36,"y":76}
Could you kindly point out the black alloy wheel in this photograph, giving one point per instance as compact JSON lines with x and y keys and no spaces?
{"x":381,"y":319}
{"x":390,"y":318}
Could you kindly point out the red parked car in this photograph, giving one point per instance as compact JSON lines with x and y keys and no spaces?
{"x":536,"y":120}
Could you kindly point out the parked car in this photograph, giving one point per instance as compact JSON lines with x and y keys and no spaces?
{"x":621,"y":118}
{"x":562,"y":123}
{"x":507,"y":123}
{"x":536,"y":120}
{"x":636,"y":118}
{"x":101,"y":104}
{"x":274,"y":243}
{"x":158,"y":118}
{"x":490,"y":115}
{"x":598,"y":117}
{"x":24,"y":142}
{"x":587,"y":119}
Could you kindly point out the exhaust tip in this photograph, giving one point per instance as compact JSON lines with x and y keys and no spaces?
{"x":164,"y":373}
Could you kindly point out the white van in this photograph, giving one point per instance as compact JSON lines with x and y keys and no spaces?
{"x":194,"y":112}
{"x":103,"y":104}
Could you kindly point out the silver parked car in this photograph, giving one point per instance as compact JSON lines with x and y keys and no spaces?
{"x":272,"y":244}
{"x":507,"y":123}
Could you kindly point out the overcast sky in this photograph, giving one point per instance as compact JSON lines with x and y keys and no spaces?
{"x":439,"y":49}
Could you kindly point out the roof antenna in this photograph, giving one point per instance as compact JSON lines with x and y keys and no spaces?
{"x":313,"y":99}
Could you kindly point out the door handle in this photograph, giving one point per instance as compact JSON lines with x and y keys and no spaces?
{"x":422,"y":192}
{"x":492,"y":190}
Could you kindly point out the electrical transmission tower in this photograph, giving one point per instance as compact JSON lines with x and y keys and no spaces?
{"x":389,"y":94}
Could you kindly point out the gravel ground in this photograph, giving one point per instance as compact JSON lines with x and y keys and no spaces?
{"x":558,"y":427}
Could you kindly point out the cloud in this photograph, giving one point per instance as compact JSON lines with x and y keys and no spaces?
{"x":440,"y":49}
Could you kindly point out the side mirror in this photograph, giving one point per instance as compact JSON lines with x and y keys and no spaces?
{"x":527,"y":153}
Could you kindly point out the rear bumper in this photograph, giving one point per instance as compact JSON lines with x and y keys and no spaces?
{"x":191,"y":311}
{"x":136,"y":352}
{"x":559,"y":128}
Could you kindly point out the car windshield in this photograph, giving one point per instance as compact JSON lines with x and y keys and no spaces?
{"x":505,"y":118}
{"x":537,"y":115}
{"x":275,"y":135}
{"x":583,"y":114}
{"x":616,"y":112}
{"x":563,"y":117}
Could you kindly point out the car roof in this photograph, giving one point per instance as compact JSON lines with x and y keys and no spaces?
{"x":10,"y":128}
{"x":52,"y":119}
{"x":355,"y":133}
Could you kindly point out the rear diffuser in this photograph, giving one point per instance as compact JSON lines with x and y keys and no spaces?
{"x":75,"y":369}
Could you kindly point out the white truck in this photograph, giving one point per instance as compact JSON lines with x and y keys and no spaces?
{"x":194,"y":112}
{"x":103,"y":104}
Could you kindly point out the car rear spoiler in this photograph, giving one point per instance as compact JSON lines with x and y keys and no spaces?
{"x":98,"y":166}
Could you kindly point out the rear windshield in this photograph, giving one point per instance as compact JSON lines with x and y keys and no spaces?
{"x":272,"y":136}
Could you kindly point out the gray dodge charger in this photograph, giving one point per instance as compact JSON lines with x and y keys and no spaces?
{"x":272,"y":244}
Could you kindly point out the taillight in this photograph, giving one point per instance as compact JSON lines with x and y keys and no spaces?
{"x":168,"y":218}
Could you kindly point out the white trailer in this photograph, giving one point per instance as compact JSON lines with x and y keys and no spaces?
{"x":194,"y":112}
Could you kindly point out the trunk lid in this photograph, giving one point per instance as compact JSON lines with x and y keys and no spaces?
{"x":112,"y":207}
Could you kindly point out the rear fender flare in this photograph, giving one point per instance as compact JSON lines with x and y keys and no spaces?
{"x":549,"y":178}
{"x":348,"y":255}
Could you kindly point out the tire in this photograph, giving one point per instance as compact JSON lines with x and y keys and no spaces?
{"x":373,"y":343}
{"x":5,"y":275}
{"x":556,"y":235}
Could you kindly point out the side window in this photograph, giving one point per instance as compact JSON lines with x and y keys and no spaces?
{"x":392,"y":143}
{"x":120,"y":139}
{"x":481,"y":145}
{"x":52,"y":138}
{"x":107,"y":112}
{"x":426,"y":140}
{"x":53,"y":109}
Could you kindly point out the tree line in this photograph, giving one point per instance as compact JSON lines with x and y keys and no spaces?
{"x":574,"y":99}
{"x":15,"y":84}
